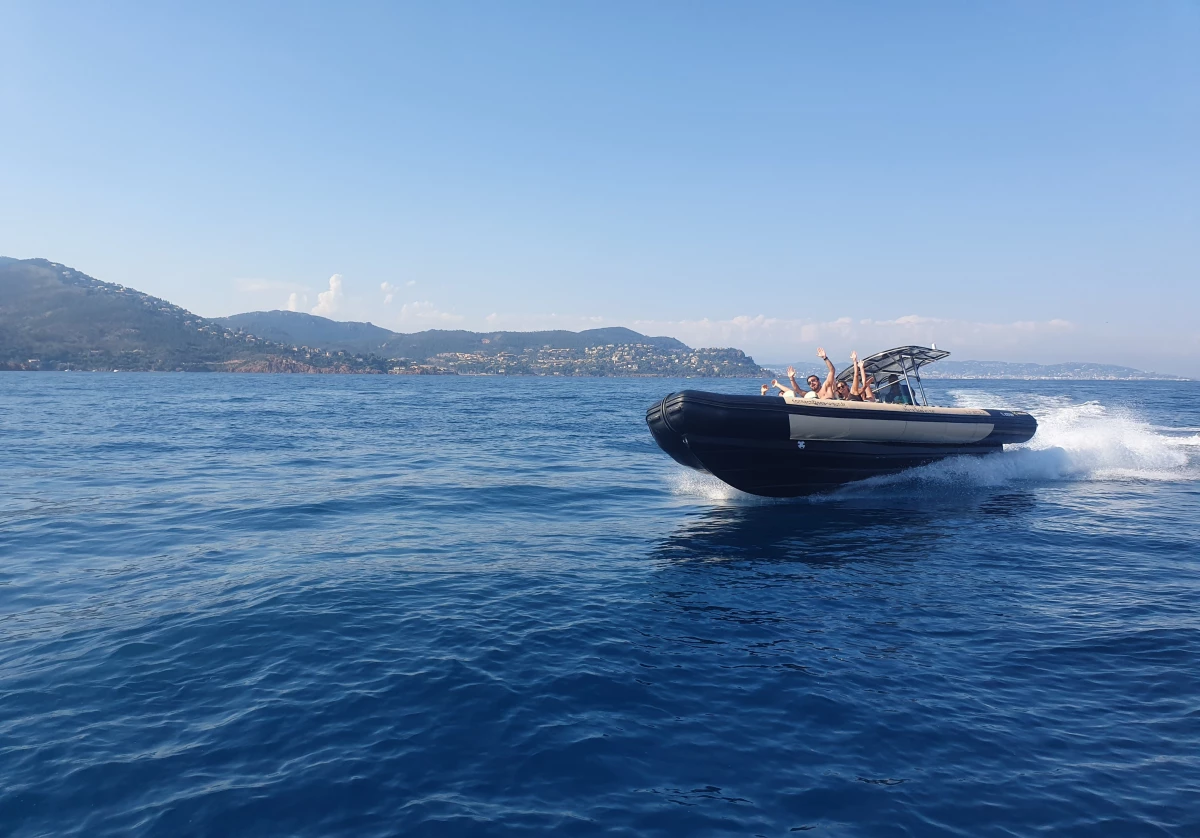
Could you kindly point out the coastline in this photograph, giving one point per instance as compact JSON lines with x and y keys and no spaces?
{"x":453,"y":373}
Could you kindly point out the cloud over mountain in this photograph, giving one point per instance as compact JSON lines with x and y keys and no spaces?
{"x":784,"y":337}
{"x":423,"y":312}
{"x":330,"y":302}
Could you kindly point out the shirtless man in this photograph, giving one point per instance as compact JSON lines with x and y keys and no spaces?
{"x":817,"y":390}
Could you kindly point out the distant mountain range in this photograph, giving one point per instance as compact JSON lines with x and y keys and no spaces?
{"x":1072,"y":371}
{"x":53,"y":317}
{"x":297,"y":328}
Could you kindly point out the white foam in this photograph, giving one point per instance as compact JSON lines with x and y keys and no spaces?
{"x":1074,"y":441}
{"x":686,"y":482}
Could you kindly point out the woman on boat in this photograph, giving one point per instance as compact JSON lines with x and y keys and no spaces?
{"x":861,"y":391}
{"x":851,"y":392}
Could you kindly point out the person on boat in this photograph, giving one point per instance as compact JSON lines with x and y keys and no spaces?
{"x":896,"y":392}
{"x":783,"y":391}
{"x":868,"y":385}
{"x":860,"y":391}
{"x":817,"y":390}
{"x":813,"y":382}
{"x":844,"y":391}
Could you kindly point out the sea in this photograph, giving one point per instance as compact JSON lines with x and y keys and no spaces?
{"x":273,"y":605}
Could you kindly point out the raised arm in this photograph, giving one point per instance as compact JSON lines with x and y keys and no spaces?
{"x":791,"y":373}
{"x":868,"y":394}
{"x":826,"y":388}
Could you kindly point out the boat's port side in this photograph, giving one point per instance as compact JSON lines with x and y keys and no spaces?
{"x":693,"y":412}
{"x":794,"y":468}
{"x":889,"y":428}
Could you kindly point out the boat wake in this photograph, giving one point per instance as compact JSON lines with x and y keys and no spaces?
{"x":1075,"y":441}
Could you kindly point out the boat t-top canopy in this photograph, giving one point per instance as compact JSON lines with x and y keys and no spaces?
{"x":904,"y":362}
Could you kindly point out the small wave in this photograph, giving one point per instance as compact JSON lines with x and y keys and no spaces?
{"x":696,"y":484}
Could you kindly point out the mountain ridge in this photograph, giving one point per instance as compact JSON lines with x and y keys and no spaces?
{"x":1016,"y":370}
{"x":55,"y":317}
{"x":300,"y":328}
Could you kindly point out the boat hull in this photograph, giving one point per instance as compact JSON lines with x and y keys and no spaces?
{"x":767,"y":446}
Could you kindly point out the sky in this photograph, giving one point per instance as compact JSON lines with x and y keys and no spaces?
{"x":1013,"y":181}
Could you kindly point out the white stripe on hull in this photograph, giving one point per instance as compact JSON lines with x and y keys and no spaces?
{"x":885,"y":430}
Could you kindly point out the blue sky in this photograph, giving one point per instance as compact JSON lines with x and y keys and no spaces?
{"x":1016,"y":181}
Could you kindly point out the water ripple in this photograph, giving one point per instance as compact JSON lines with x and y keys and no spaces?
{"x":272,"y":605}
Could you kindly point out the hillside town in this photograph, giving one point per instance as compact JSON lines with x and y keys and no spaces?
{"x":610,"y":360}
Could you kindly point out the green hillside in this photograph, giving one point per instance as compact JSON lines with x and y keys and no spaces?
{"x":55,"y":317}
{"x":298,"y":329}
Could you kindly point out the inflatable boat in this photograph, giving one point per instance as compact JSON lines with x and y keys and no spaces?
{"x":785,"y":447}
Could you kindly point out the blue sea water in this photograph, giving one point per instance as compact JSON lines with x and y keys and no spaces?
{"x":290,"y":605}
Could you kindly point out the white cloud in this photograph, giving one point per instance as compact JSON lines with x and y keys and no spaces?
{"x":389,"y":290}
{"x":328,"y":302}
{"x":779,"y":337}
{"x":426,"y":314}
